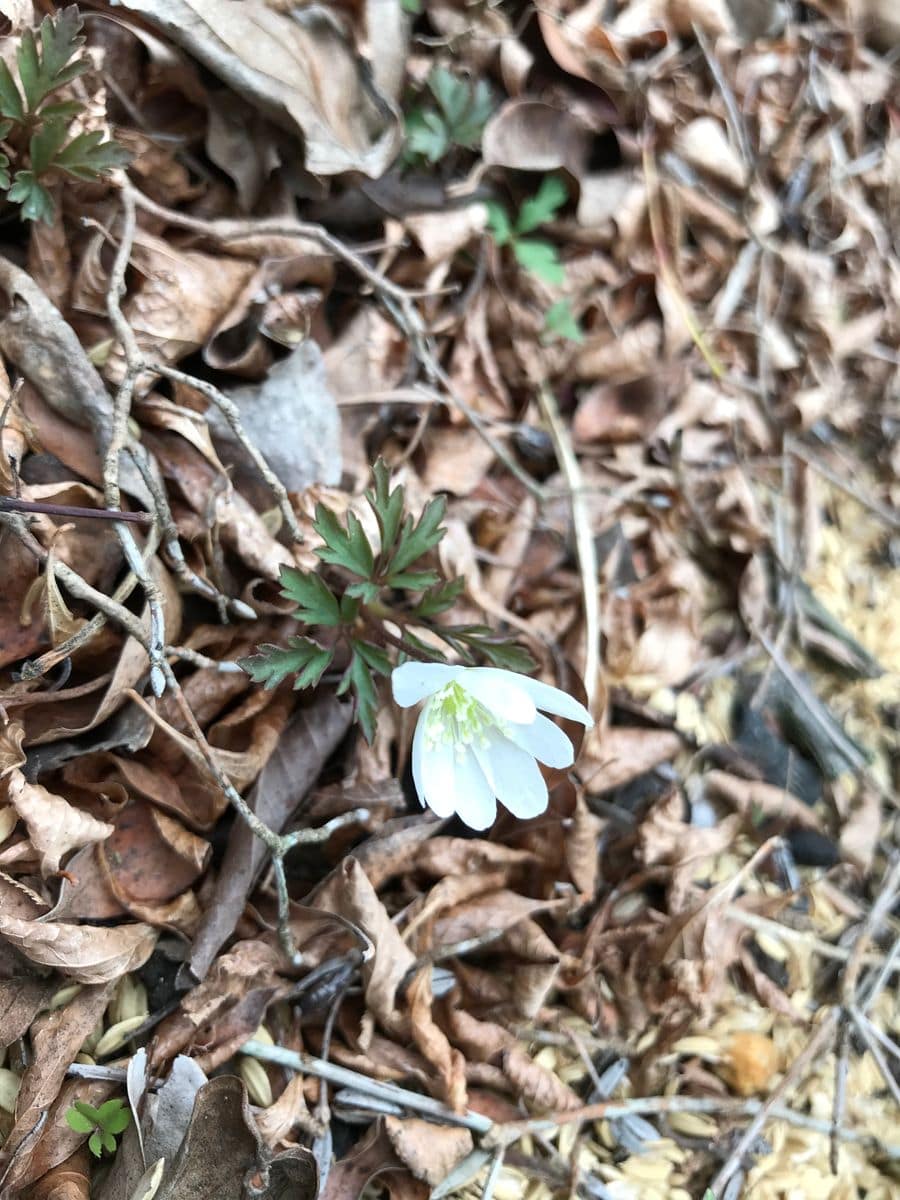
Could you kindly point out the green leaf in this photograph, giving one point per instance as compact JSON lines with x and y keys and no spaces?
{"x":29,"y":69}
{"x":301,"y":657}
{"x":374,"y":656}
{"x":469,"y":130}
{"x":315,"y":603}
{"x":77,"y":1121}
{"x":88,"y":156}
{"x":349,"y":607}
{"x":348,"y":548}
{"x":427,"y":651}
{"x":440,"y":598}
{"x":499,"y":650}
{"x":413,"y":581}
{"x":88,"y":1110}
{"x":499,"y":224}
{"x":4,"y":172}
{"x":358,"y":678}
{"x":387,"y":505}
{"x":95,"y":1144}
{"x":36,"y":201}
{"x":364,"y":590}
{"x":538,"y":209}
{"x":413,"y":7}
{"x":10,"y":100}
{"x":114,"y":1116}
{"x":417,"y":540}
{"x":60,"y":39}
{"x":541,"y":259}
{"x":45,"y":144}
{"x":559,"y":322}
{"x":426,"y":135}
{"x":452,"y":94}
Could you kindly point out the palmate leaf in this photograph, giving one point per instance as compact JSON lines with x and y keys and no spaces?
{"x":358,"y":679}
{"x":36,"y":201}
{"x":439,"y":598}
{"x":387,"y":505}
{"x":88,"y":156}
{"x":315,"y":603}
{"x":348,"y":548}
{"x":416,"y":540}
{"x":47,"y":66}
{"x":540,"y":208}
{"x":540,"y":258}
{"x":301,"y":657}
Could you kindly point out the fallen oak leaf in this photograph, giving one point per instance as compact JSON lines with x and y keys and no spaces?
{"x":85,"y":953}
{"x":54,"y":826}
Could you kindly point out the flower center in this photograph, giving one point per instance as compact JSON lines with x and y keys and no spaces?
{"x":454,"y":717}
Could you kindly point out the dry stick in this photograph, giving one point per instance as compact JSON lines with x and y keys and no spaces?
{"x":397,"y":300}
{"x":825,"y":1033}
{"x":585,"y":547}
{"x":118,"y":441}
{"x":497,"y":1134}
{"x":73,"y":511}
{"x":277,"y":844}
{"x":232,"y":415}
{"x":189,"y":578}
{"x":806,"y":937}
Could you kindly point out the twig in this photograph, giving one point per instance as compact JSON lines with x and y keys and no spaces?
{"x":494,"y":1173}
{"x":344,"y":1077}
{"x":232,"y":415}
{"x":72,"y":511}
{"x":890,"y":516}
{"x":585,"y":547}
{"x":805,"y":937}
{"x":118,"y":441}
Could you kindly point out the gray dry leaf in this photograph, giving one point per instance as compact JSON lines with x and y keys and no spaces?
{"x":296,"y":67}
{"x":54,"y":826}
{"x":291,"y":418}
{"x":85,"y":953}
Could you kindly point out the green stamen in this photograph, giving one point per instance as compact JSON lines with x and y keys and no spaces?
{"x":455,"y":718}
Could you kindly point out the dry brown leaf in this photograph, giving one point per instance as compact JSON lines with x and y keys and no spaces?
{"x":433,"y":1044}
{"x":274,"y":60}
{"x":536,"y":1085}
{"x":493,"y":912}
{"x":754,"y":795}
{"x":54,"y":826}
{"x":86,"y":953}
{"x":11,"y":753}
{"x":861,"y":829}
{"x":430,"y":1151}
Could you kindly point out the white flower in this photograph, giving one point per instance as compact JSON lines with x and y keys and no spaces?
{"x":478,"y":736}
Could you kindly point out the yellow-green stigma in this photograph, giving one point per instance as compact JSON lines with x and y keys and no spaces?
{"x":454,"y":717}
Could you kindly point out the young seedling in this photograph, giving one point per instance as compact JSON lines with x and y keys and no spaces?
{"x":456,"y":118}
{"x":103,"y":1124}
{"x":34,"y":130}
{"x":536,"y":255}
{"x":362,"y":590}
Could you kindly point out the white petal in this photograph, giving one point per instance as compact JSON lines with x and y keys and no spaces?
{"x":474,"y":798}
{"x":515,"y":776}
{"x":500,"y":693}
{"x":544,"y":740}
{"x":436,"y":783}
{"x":418,"y":749}
{"x":415,"y":680}
{"x":553,"y":700}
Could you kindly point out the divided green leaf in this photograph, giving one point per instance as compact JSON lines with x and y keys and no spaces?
{"x":44,"y":69}
{"x":348,"y":548}
{"x":87,"y":156}
{"x":499,"y":223}
{"x":560,"y":322}
{"x":441,"y":597}
{"x":540,"y":208}
{"x":540,"y":258}
{"x":78,"y":1121}
{"x":36,"y":201}
{"x":358,"y":679}
{"x":315,"y":603}
{"x":387,"y":505}
{"x":301,"y":657}
{"x":416,"y":540}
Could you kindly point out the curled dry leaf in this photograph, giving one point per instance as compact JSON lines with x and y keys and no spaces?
{"x":54,"y":826}
{"x":86,"y":953}
{"x":752,"y":796}
{"x":275,"y":60}
{"x":430,"y":1151}
{"x":433,"y":1043}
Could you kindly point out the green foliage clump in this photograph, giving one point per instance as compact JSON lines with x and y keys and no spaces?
{"x":361,"y":590}
{"x":35,"y":130}
{"x":456,"y":117}
{"x":103,"y":1123}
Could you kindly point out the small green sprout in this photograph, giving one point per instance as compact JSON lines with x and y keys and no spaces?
{"x":533,"y":254}
{"x":34,"y":129}
{"x":456,"y":118}
{"x":103,"y":1123}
